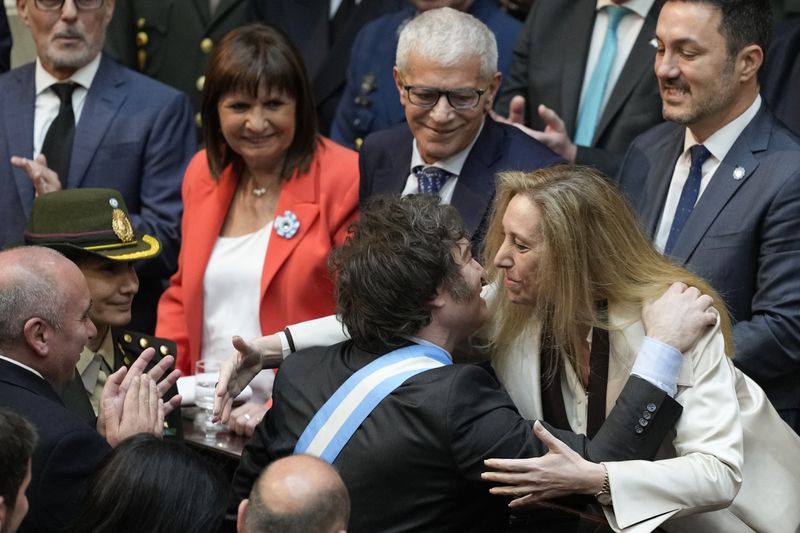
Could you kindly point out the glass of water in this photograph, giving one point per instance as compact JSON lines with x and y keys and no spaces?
{"x":206,"y":376}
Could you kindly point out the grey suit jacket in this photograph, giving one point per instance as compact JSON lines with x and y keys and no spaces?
{"x":742,"y":237}
{"x":548,"y":68}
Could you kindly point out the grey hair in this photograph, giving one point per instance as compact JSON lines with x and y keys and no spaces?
{"x":28,"y":289}
{"x":448,"y":36}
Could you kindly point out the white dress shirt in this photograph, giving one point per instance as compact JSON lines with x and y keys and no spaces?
{"x":719,"y":143}
{"x":48,"y":103}
{"x":453,"y":164}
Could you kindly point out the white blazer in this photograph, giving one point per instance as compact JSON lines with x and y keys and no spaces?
{"x":732,"y":466}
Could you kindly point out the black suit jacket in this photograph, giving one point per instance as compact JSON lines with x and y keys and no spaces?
{"x":385,"y":163}
{"x":415,"y":462}
{"x":66,"y":455}
{"x":742,"y":236}
{"x":307,"y":24}
{"x":548,"y":68}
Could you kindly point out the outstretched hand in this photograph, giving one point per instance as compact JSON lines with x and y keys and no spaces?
{"x":558,"y":473}
{"x":679,"y":317}
{"x":240,"y":369}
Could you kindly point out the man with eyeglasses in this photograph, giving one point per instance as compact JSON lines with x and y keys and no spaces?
{"x":76,"y":119}
{"x":446,"y":74}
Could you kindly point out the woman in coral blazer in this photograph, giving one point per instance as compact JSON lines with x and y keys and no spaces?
{"x":263,"y":207}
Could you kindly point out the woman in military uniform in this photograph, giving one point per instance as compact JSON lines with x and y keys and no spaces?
{"x":92,"y":228}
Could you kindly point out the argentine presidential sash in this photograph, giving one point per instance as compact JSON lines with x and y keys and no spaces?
{"x":344,"y":412}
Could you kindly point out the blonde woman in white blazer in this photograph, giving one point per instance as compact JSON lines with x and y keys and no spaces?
{"x":563,"y":240}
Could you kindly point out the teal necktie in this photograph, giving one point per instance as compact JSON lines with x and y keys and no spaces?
{"x":593,"y":100}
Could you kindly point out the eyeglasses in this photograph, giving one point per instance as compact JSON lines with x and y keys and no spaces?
{"x":460,"y":99}
{"x":56,"y":5}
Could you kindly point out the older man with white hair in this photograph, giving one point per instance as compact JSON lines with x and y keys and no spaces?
{"x":447,"y":77}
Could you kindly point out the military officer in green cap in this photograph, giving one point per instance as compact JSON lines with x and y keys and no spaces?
{"x":92,"y":228}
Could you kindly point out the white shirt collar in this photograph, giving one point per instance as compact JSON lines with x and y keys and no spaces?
{"x":83,"y":76}
{"x":640,"y":7}
{"x":720,"y":142}
{"x":452,"y":164}
{"x":26,"y":367}
{"x":423,"y":342}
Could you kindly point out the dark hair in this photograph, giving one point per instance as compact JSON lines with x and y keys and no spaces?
{"x":17,"y":441}
{"x":153,"y":485}
{"x":248,"y":58}
{"x":329,"y":507}
{"x":388,"y":271}
{"x":743,"y":22}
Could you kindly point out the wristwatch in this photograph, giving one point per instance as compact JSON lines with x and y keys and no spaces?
{"x":604,"y":496}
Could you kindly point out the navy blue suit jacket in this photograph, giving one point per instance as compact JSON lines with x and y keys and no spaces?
{"x":135,"y":135}
{"x":385,"y":164}
{"x":370,"y":101}
{"x":66,"y":455}
{"x":742,"y":237}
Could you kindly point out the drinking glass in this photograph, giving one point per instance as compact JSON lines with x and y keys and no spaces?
{"x":206,"y":376}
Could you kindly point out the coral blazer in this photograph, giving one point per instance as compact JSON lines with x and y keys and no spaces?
{"x":295,"y":283}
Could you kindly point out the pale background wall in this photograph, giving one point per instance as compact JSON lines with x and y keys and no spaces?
{"x":23,"y":50}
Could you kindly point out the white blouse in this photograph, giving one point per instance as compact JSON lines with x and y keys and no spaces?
{"x":232,"y":299}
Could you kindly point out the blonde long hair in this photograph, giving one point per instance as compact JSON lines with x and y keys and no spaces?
{"x":594,"y":251}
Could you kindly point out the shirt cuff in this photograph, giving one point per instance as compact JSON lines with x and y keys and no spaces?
{"x":325,"y":331}
{"x":659,"y":364}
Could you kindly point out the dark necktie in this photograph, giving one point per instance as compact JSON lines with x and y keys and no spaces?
{"x":57,"y":146}
{"x":689,"y":194}
{"x":431,"y":179}
{"x":341,"y":18}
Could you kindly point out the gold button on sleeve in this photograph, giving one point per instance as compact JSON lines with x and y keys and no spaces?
{"x":163,"y":349}
{"x":127,"y":338}
{"x":144,"y":343}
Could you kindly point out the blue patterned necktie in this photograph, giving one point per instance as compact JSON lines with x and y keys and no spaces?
{"x":689,"y":194}
{"x":593,"y":99}
{"x":431,"y":179}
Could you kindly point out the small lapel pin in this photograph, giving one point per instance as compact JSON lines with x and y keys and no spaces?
{"x":738,"y":173}
{"x":653,"y":43}
{"x":287,"y":225}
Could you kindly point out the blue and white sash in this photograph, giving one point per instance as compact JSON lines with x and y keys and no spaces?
{"x":332,"y":426}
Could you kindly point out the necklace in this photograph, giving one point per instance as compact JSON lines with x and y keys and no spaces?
{"x":258,"y":192}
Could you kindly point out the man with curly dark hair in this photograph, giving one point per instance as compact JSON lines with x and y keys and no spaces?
{"x":408,"y":290}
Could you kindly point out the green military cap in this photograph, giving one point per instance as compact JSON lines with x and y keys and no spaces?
{"x":93,"y":220}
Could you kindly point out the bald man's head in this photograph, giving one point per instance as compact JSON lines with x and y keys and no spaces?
{"x":44,"y":303}
{"x":299,"y":493}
